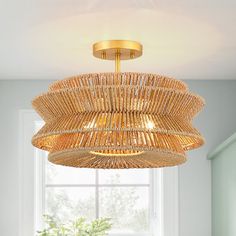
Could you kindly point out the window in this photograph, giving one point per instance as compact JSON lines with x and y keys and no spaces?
{"x":125,"y":196}
{"x":139,"y":201}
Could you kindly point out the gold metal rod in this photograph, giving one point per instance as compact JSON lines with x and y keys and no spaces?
{"x":117,"y":62}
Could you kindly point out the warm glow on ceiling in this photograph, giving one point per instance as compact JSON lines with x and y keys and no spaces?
{"x":170,"y":40}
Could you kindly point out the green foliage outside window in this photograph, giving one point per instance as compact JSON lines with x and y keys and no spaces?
{"x":78,"y":227}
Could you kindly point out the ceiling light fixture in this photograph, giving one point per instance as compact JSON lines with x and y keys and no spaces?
{"x":118,"y":120}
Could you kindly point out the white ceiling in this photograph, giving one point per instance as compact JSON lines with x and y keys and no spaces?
{"x":52,"y":39}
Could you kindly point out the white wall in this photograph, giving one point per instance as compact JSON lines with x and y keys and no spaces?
{"x":216,"y":122}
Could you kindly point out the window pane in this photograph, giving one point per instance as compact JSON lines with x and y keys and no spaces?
{"x":56,"y":174}
{"x":69,"y":203}
{"x":130,"y":176}
{"x":127,"y":206}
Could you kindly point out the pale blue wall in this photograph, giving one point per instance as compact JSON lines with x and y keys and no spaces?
{"x":216,"y":122}
{"x":224,"y":189}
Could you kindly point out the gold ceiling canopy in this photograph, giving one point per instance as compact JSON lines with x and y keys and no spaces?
{"x":118,"y":120}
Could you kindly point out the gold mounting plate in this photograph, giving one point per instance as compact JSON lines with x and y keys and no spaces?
{"x":126,"y":49}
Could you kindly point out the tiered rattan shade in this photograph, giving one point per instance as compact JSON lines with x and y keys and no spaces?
{"x":118,"y":120}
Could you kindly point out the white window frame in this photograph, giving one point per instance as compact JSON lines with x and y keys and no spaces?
{"x":31,"y":181}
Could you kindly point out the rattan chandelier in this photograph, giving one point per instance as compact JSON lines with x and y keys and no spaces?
{"x":118,"y":120}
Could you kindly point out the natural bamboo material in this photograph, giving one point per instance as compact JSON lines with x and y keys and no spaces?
{"x":118,"y":120}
